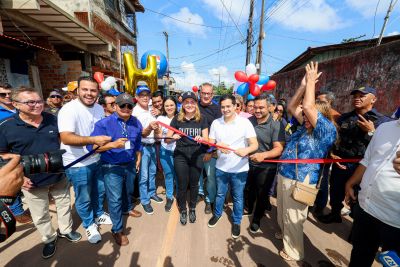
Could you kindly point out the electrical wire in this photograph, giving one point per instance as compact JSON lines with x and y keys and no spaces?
{"x":230,"y":16}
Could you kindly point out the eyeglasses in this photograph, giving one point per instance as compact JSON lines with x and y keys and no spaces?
{"x":5,"y":94}
{"x":129,"y":106}
{"x":204,"y":93}
{"x":279,"y":111}
{"x":31,"y":103}
{"x":55,"y":96}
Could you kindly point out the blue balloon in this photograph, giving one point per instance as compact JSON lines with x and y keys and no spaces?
{"x":250,"y":97}
{"x":242,"y":89}
{"x":162,"y":63}
{"x":263,"y":79}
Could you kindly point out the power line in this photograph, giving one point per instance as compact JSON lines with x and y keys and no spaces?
{"x":297,"y":38}
{"x":230,"y":16}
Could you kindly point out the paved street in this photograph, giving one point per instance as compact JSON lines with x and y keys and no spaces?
{"x":160,"y":240}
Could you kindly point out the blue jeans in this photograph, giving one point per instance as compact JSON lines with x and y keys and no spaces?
{"x":148,"y":168}
{"x":16,"y":208}
{"x":236,"y":181}
{"x":167,"y":162}
{"x":211,"y":185}
{"x":119,"y":183}
{"x":88,"y":183}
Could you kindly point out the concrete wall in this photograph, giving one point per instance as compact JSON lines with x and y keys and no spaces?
{"x":376,"y":67}
{"x":72,"y":6}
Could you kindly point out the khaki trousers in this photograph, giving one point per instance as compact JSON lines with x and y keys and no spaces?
{"x":291,"y":217}
{"x":38,"y":202}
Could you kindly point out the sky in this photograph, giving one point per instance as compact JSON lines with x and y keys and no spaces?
{"x":207,"y":37}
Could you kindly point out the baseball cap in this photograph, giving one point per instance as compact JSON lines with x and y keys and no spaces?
{"x":187,"y":95}
{"x":55,"y":92}
{"x":364,"y":90}
{"x":142,"y":88}
{"x":124,"y":98}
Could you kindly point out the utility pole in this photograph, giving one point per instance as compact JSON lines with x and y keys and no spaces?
{"x":260,"y":40}
{"x":249,"y":33}
{"x":391,"y":6}
{"x":166,"y":44}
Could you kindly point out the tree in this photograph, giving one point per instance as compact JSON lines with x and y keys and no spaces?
{"x":222,"y":89}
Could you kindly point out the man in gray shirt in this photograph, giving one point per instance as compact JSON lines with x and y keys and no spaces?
{"x":271,"y":139}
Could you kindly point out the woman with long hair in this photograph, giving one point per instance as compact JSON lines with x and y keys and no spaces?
{"x":188,"y":154}
{"x":167,"y":150}
{"x":312,"y":140}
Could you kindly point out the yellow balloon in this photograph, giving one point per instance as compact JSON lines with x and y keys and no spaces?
{"x":72,"y":86}
{"x":133,"y":74}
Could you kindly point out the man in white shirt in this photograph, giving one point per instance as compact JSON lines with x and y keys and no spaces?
{"x":377,"y":217}
{"x":237,"y":133}
{"x":75,"y":123}
{"x":148,"y":167}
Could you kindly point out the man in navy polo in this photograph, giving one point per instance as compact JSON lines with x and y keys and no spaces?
{"x":29,"y":132}
{"x":120,"y":160}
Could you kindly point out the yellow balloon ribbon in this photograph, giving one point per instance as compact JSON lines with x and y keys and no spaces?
{"x":133,"y":74}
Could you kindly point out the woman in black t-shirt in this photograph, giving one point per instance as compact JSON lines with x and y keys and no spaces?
{"x":188,"y":154}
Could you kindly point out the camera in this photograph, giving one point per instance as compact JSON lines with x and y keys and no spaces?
{"x":50,"y":162}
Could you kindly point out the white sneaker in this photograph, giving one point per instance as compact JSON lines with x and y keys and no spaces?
{"x":103,"y":219}
{"x":93,"y":234}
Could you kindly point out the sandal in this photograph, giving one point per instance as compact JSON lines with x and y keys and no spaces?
{"x":285,"y":256}
{"x":279,"y":235}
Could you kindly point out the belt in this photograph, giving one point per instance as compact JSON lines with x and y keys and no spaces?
{"x":146,"y":144}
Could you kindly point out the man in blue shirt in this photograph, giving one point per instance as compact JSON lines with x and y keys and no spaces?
{"x":120,"y":161}
{"x":7,"y":110}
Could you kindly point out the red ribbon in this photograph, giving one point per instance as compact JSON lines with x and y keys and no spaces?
{"x":299,"y":161}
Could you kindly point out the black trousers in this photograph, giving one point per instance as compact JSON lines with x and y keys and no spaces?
{"x":369,"y":234}
{"x":338,"y":181}
{"x":188,"y":163}
{"x":260,"y":180}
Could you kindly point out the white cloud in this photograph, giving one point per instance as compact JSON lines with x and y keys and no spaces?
{"x":185,"y":15}
{"x":367,"y":7}
{"x":313,"y":16}
{"x":393,"y":33}
{"x":191,"y":76}
{"x":238,"y":9}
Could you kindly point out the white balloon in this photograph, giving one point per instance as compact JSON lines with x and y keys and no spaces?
{"x":65,"y":89}
{"x":110,"y":80}
{"x":251,"y":69}
{"x":106,"y":85}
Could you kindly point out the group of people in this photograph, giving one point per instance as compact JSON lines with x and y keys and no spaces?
{"x":209,"y":149}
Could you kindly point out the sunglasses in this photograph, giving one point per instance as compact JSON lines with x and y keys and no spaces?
{"x":55,"y":96}
{"x":129,"y":106}
{"x":112,"y":103}
{"x":5,"y":94}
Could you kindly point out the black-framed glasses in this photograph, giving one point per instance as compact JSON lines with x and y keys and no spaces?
{"x":5,"y":94}
{"x":55,"y":96}
{"x":129,"y":106}
{"x":278,"y":111}
{"x":31,"y":103}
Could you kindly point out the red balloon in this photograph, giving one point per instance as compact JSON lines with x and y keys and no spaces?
{"x":254,"y":78}
{"x":195,"y":88}
{"x":240,"y":76}
{"x":256,"y":90}
{"x":270,"y":85}
{"x":99,"y":77}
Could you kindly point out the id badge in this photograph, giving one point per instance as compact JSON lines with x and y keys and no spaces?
{"x":128,"y":144}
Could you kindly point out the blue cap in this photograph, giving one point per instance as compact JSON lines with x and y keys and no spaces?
{"x":364,"y":90}
{"x":142,"y":88}
{"x":113,"y":92}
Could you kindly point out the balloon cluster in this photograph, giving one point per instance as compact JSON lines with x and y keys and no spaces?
{"x":252,"y":82}
{"x":109,"y":84}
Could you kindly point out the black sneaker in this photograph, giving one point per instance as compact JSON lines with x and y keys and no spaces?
{"x":157,"y":199}
{"x":255,"y":227}
{"x":192,"y":216}
{"x":235,"y":231}
{"x":213,"y":221}
{"x":148,"y":209}
{"x":330,"y":218}
{"x":49,"y":249}
{"x":72,"y":236}
{"x":168,"y":205}
{"x":208,"y":208}
{"x":183,"y":218}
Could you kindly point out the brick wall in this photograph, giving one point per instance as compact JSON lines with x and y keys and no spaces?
{"x":377,"y":67}
{"x":55,"y":73}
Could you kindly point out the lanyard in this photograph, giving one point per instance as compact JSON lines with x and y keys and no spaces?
{"x":124,"y":129}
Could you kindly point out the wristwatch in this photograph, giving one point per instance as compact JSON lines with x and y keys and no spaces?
{"x":371,"y":133}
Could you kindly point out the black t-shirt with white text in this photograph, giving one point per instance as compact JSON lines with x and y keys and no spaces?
{"x":190,"y":127}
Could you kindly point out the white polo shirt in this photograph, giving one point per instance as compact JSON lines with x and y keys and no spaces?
{"x":380,"y":185}
{"x":235,"y":135}
{"x":145,"y":117}
{"x":77,"y":118}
